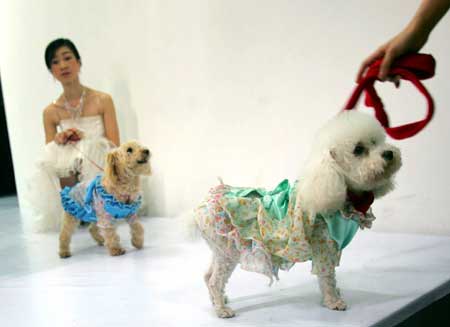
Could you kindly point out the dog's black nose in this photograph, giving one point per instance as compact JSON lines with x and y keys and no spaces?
{"x":146,"y":152}
{"x":388,"y":155}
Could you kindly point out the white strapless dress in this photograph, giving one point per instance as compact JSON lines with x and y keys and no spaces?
{"x":84,"y":158}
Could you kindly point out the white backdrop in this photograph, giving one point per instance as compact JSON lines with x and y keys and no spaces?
{"x":231,"y":88}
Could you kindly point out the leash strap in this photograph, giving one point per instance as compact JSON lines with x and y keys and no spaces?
{"x":411,"y":67}
{"x":85,"y":156}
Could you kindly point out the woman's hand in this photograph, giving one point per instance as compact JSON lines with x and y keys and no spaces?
{"x":71,"y":135}
{"x":410,"y":39}
{"x":405,"y":42}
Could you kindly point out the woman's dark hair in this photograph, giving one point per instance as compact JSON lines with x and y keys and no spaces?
{"x":54,"y":46}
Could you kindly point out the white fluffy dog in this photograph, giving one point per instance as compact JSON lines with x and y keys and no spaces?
{"x":350,"y":165}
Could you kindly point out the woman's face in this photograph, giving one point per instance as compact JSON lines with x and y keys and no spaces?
{"x":65,"y":67}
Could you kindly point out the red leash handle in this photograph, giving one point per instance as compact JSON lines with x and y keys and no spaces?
{"x":413,"y":68}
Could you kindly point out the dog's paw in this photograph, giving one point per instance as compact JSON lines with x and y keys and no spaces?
{"x":117,"y":251}
{"x":225,"y":312}
{"x":65,"y":254}
{"x":137,"y":243}
{"x":335,"y":304}
{"x":225,"y":300}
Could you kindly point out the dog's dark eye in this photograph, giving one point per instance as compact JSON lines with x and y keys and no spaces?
{"x":130,"y":150}
{"x":359,"y":150}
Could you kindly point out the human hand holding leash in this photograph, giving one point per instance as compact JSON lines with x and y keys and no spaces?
{"x":71,"y":135}
{"x":411,"y":39}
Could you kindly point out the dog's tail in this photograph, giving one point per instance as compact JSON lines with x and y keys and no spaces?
{"x":187,"y":225}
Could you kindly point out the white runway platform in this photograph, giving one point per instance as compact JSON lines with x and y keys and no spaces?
{"x":384,"y":278}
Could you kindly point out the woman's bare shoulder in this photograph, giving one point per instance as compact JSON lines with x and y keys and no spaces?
{"x":102,"y":100}
{"x":50,"y":113}
{"x":101,"y":96}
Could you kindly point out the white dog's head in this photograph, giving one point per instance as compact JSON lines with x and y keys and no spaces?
{"x":350,"y":154}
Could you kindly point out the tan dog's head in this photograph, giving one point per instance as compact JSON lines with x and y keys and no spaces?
{"x":127,"y":161}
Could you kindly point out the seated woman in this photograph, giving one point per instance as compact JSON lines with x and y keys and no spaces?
{"x":80,"y":127}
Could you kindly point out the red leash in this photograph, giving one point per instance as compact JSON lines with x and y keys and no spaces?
{"x":411,"y":67}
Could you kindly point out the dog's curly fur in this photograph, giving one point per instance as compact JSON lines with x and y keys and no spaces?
{"x":350,"y":154}
{"x":124,"y":166}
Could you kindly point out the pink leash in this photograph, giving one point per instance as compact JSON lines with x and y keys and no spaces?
{"x":86,"y":157}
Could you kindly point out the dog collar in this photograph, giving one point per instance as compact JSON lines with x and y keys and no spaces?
{"x":411,"y":67}
{"x":361,"y":202}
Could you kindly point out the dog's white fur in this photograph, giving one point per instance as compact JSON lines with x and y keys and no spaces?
{"x":332,"y":170}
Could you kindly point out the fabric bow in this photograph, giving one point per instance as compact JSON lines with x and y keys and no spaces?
{"x":275,"y":202}
{"x":412,"y":67}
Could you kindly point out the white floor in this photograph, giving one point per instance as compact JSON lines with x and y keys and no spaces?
{"x":383,"y":277}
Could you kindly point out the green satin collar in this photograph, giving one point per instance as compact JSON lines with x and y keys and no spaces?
{"x":341,"y":230}
{"x":276,"y":202}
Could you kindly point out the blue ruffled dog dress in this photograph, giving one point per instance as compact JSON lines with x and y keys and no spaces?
{"x":89,"y":202}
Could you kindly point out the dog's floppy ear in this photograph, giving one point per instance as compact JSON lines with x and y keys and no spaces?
{"x":111,"y":172}
{"x":383,"y":189}
{"x":323,"y":188}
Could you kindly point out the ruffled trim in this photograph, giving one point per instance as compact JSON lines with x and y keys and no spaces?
{"x":74,"y":208}
{"x":112,"y":206}
{"x":241,"y":217}
{"x":39,"y":215}
{"x":84,"y":211}
{"x":64,"y":160}
{"x":364,"y":220}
